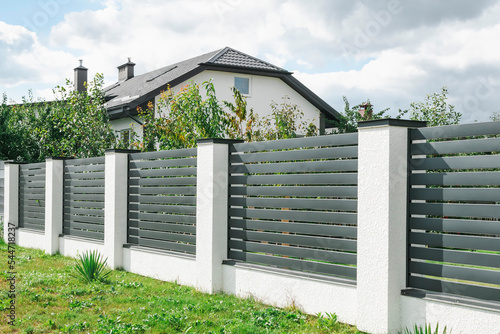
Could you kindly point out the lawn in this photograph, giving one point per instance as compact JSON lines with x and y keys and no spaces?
{"x":50,"y":300}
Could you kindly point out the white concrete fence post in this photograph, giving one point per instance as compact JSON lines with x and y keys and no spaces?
{"x":382,"y":221}
{"x":54,"y":203}
{"x":211,"y":212}
{"x":11,"y":197}
{"x":115,"y":205}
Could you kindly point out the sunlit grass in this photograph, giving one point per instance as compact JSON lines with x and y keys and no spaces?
{"x":50,"y":300}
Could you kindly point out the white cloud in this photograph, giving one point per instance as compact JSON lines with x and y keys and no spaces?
{"x":414,"y":51}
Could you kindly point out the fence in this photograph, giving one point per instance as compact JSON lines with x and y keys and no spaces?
{"x":293,"y":204}
{"x":395,"y":226}
{"x":32,"y":196}
{"x":162,"y":200}
{"x":84,"y":197}
{"x":454,"y":207}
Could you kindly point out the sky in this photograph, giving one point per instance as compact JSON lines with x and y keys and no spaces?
{"x":393,"y":52}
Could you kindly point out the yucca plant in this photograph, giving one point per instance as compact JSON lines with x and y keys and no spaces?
{"x":91,"y":266}
{"x":424,"y":330}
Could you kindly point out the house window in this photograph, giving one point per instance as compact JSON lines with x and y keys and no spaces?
{"x":243,"y":85}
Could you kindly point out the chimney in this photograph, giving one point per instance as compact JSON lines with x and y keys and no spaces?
{"x":80,"y":78}
{"x":126,"y":71}
{"x":366,"y":110}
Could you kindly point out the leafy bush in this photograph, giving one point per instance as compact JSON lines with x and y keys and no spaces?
{"x":91,"y":266}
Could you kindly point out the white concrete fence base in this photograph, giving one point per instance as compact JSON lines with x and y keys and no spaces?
{"x":374,"y":303}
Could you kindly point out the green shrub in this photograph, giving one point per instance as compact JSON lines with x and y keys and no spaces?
{"x":424,"y":330}
{"x":91,"y":266}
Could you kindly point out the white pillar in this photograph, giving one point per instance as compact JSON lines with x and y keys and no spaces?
{"x":11,"y":198}
{"x":382,"y":221}
{"x":211,"y":212}
{"x":54,"y":203}
{"x":115,"y":205}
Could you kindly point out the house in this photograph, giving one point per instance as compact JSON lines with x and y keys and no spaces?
{"x":260,"y":81}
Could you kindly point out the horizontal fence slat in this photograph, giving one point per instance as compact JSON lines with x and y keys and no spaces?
{"x":307,"y":216}
{"x":83,"y":168}
{"x":163,"y":208}
{"x":36,"y":165}
{"x":467,"y":162}
{"x":298,"y":240}
{"x":175,"y":181}
{"x":83,"y":176}
{"x":327,"y":140}
{"x":453,"y":131}
{"x":84,"y":204}
{"x":456,"y":272}
{"x":91,"y":212}
{"x":84,"y":183}
{"x":32,"y":184}
{"x":144,"y":199}
{"x":165,"y":236}
{"x":468,"y":290}
{"x":84,"y":234}
{"x":84,"y":161}
{"x":300,"y":252}
{"x":330,"y":179}
{"x":33,"y":221}
{"x":299,"y":191}
{"x":85,"y":219}
{"x":165,"y":190}
{"x":456,"y":225}
{"x":40,"y":215}
{"x":166,"y":227}
{"x":29,"y":208}
{"x":456,"y":194}
{"x":162,"y":217}
{"x":456,"y":256}
{"x":457,"y":179}
{"x":84,"y":190}
{"x":309,"y":154}
{"x":307,"y":166}
{"x":296,"y":203}
{"x":31,"y":178}
{"x":182,"y":162}
{"x":456,"y":210}
{"x":83,"y":226}
{"x":317,"y":267}
{"x":456,"y":146}
{"x":161,"y":244}
{"x":84,"y":197}
{"x":303,"y":228}
{"x":455,"y":241}
{"x":162,"y":172}
{"x":186,"y":152}
{"x":32,"y":226}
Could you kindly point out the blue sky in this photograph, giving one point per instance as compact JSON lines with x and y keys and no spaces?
{"x":393,"y":52}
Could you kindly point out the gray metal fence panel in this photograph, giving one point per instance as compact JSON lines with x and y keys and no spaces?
{"x":32,"y":196}
{"x":2,"y":182}
{"x":162,"y":200}
{"x":84,"y":197}
{"x":454,"y":224}
{"x":293,"y":204}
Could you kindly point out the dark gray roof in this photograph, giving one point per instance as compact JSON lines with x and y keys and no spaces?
{"x":126,"y":95}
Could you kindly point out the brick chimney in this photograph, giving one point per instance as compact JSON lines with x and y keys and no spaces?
{"x":126,"y":71}
{"x":80,"y":78}
{"x":366,"y":110}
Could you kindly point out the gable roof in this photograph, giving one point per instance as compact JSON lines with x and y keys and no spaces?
{"x":124,"y":96}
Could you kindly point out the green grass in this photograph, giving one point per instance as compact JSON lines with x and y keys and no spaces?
{"x":50,"y":300}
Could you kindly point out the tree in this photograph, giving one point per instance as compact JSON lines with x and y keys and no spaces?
{"x":351,"y":116}
{"x":75,"y":125}
{"x":284,"y":122}
{"x":180,"y":119}
{"x":435,"y":110}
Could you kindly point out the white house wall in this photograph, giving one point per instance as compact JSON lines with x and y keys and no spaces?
{"x":263,"y":90}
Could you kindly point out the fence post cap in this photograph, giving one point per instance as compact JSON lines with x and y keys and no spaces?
{"x":218,"y":141}
{"x":392,"y":122}
{"x":121,"y":150}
